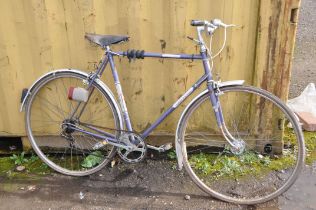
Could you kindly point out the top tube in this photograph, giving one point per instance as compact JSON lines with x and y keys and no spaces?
{"x":164,"y":55}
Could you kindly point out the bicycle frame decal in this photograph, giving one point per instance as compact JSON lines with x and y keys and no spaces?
{"x":170,"y":56}
{"x":183,"y":97}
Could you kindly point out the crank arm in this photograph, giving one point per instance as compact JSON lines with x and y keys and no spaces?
{"x":106,"y":141}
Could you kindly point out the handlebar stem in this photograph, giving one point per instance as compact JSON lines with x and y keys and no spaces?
{"x":199,"y":30}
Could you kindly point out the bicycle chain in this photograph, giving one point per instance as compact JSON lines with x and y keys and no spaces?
{"x":130,"y":156}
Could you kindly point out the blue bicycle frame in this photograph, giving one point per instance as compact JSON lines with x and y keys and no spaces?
{"x":207,"y":77}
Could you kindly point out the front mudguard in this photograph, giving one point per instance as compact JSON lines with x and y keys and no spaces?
{"x":179,"y":149}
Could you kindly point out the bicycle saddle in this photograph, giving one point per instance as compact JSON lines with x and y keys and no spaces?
{"x":105,"y":40}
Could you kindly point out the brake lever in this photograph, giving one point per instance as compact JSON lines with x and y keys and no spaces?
{"x":218,"y":22}
{"x":211,"y":30}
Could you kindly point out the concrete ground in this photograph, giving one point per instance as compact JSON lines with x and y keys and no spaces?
{"x":304,"y":65}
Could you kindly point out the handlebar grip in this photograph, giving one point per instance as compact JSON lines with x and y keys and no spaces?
{"x":197,"y":23}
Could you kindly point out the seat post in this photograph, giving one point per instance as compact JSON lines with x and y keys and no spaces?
{"x":103,"y":64}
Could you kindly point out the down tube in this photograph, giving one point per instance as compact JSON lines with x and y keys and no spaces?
{"x":174,"y":106}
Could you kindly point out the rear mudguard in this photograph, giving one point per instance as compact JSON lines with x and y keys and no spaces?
{"x":177,"y":139}
{"x":84,"y":74}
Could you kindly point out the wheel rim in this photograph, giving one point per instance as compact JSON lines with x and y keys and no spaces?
{"x":247,"y":178}
{"x":47,"y":111}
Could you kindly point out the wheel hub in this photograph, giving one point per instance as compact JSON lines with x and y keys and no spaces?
{"x":67,"y":126}
{"x":239,"y":147}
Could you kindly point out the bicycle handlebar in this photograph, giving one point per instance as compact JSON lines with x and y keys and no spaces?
{"x":197,"y":23}
{"x":213,"y":23}
{"x":210,"y":28}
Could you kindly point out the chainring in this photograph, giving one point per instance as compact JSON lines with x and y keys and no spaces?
{"x":138,"y":146}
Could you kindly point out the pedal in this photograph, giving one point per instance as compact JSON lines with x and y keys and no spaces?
{"x":166,"y":147}
{"x":162,"y":148}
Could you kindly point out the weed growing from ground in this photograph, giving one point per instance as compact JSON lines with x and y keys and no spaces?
{"x":34,"y":167}
{"x":172,"y":155}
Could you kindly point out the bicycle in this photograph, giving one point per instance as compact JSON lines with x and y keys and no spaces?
{"x":76,"y":126}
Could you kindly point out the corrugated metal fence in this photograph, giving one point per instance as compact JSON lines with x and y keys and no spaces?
{"x":37,"y":36}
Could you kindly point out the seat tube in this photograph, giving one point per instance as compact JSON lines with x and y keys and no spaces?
{"x":213,"y":97}
{"x":120,"y":93}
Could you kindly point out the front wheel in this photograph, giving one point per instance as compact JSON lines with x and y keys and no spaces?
{"x":270,"y":142}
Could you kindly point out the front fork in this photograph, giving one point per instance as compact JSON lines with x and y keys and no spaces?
{"x":214,"y":93}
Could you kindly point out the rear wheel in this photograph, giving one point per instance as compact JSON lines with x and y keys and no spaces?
{"x":49,"y":121}
{"x":270,"y":154}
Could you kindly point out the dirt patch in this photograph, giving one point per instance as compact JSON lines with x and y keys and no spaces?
{"x":152,"y":184}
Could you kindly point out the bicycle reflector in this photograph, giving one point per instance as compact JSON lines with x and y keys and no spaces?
{"x":78,"y":94}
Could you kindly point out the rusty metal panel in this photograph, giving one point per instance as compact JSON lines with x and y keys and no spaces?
{"x":38,"y":36}
{"x":275,"y":45}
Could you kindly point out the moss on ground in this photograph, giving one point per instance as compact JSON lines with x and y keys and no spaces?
{"x":250,"y":163}
{"x":34,"y":168}
{"x":310,"y":144}
{"x":237,"y":166}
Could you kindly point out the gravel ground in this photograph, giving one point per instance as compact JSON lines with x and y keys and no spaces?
{"x":303,"y":193}
{"x":304,"y":65}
